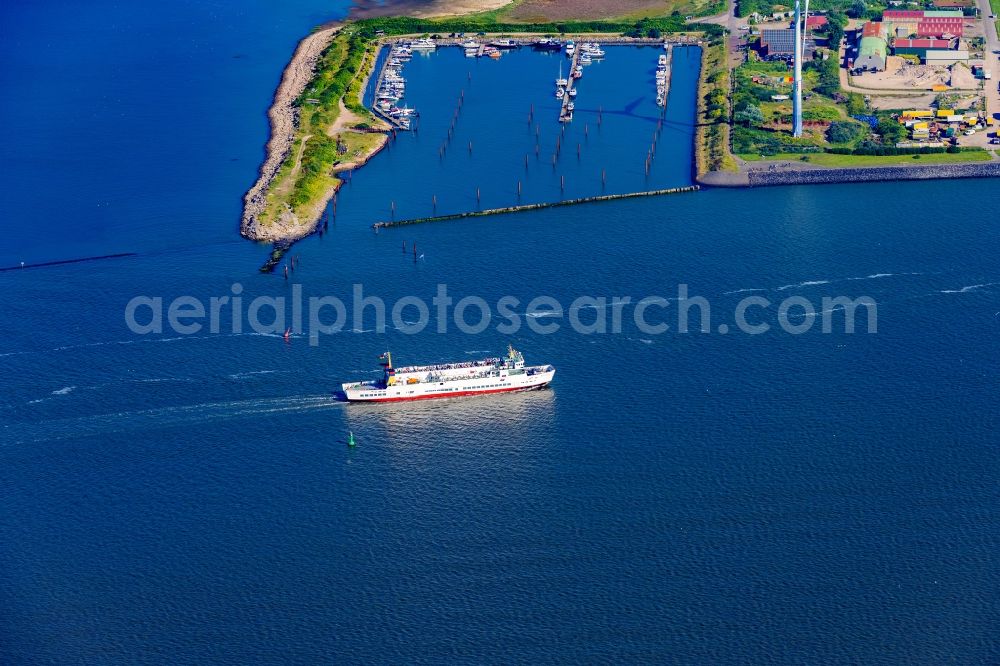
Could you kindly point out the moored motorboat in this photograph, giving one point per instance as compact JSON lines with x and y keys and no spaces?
{"x":546,"y":44}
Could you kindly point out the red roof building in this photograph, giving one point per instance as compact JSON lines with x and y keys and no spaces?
{"x":894,"y":14}
{"x":872,"y":29}
{"x":934,"y":26}
{"x":921,"y":44}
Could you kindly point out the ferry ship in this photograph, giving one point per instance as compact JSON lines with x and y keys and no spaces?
{"x":451,"y":380}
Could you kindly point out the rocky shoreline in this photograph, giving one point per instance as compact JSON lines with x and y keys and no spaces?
{"x":815,"y":176}
{"x":284,"y":119}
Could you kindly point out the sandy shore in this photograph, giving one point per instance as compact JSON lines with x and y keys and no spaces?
{"x":284,"y":118}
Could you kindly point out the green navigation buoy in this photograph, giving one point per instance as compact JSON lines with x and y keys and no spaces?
{"x":350,"y":440}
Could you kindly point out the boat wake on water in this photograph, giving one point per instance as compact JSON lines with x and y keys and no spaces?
{"x":166,"y":417}
{"x":971,"y":287}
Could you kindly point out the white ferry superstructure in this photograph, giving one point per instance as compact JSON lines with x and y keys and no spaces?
{"x":451,"y":380}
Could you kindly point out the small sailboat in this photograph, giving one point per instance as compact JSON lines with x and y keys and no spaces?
{"x":560,"y":93}
{"x":572,"y":92}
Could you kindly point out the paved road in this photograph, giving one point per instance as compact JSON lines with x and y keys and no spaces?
{"x":991,"y":59}
{"x":731,"y":22}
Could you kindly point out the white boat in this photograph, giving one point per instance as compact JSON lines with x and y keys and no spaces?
{"x":560,"y":93}
{"x":425,"y":44}
{"x":470,"y":44}
{"x":451,"y":380}
{"x":570,"y":49}
{"x":570,"y":106}
{"x":561,"y":81}
{"x":572,"y":92}
{"x":585,"y":59}
{"x":662,"y":61}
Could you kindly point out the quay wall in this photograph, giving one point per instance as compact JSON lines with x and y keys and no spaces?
{"x":762,"y":178}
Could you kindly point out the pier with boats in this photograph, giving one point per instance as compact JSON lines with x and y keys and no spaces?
{"x":390,"y":85}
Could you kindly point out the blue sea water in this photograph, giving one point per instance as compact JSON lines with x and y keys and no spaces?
{"x":678,"y":498}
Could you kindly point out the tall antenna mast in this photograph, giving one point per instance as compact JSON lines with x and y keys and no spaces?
{"x":797,"y":76}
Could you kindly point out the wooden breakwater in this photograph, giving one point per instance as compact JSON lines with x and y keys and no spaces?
{"x":62,"y":262}
{"x":535,"y":206}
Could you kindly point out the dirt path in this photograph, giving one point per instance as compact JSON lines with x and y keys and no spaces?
{"x":345,"y":120}
{"x":298,"y":157}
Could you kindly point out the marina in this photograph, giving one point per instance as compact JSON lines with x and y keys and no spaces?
{"x":390,"y":84}
{"x":489,"y":137}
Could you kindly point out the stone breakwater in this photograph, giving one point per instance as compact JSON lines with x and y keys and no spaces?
{"x":813,"y":176}
{"x":284,"y":119}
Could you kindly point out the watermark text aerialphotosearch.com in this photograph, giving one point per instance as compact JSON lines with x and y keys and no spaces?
{"x":317,"y":316}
